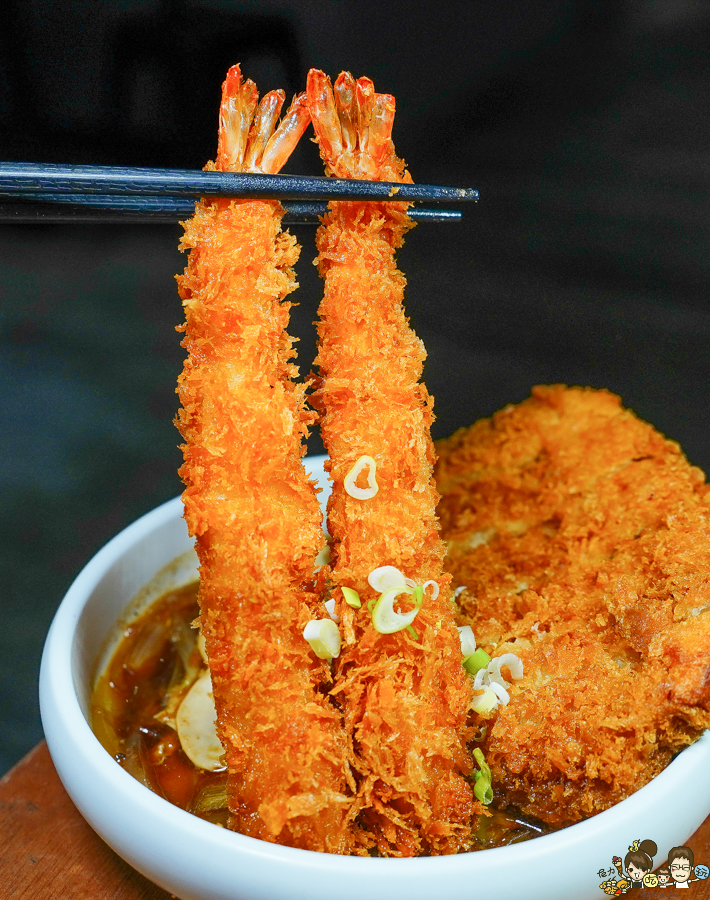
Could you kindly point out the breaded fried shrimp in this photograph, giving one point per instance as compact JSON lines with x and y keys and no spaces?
{"x":404,"y":694}
{"x":248,"y":502}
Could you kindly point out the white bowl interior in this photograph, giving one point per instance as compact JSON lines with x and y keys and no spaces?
{"x":93,"y":645}
{"x":198,"y":861}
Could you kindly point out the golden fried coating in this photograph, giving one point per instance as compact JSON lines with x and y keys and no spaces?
{"x":582,"y":537}
{"x":404,"y":700}
{"x":254,"y":512}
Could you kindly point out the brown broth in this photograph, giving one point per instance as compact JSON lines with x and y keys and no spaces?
{"x":153,"y":655}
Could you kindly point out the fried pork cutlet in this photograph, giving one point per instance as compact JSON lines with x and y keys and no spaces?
{"x":582,"y":537}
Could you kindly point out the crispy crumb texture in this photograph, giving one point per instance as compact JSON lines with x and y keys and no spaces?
{"x":582,"y":537}
{"x":404,"y":697}
{"x":249,"y":503}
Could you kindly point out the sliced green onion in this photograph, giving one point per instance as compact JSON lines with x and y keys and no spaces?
{"x":483,"y":788}
{"x":383,"y":578}
{"x":434,"y":588}
{"x":211,"y":797}
{"x":385,"y":619}
{"x":481,"y":734}
{"x":352,"y":598}
{"x":476,"y":661}
{"x":330,"y":606}
{"x":514,"y":664}
{"x":500,"y":692}
{"x":412,"y":630}
{"x":468,"y":640}
{"x":365,"y":462}
{"x":485,"y":702}
{"x":323,"y":557}
{"x":324,"y":638}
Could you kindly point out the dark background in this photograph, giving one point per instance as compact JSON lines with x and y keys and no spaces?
{"x":584,"y":123}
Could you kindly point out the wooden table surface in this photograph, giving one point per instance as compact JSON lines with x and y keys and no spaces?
{"x":48,"y":852}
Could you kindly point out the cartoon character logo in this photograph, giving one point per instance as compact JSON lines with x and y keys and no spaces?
{"x":664,"y":877}
{"x":680,"y":863}
{"x":638,"y":862}
{"x":636,"y":871}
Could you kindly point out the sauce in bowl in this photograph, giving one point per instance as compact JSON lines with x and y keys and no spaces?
{"x":137,"y":695}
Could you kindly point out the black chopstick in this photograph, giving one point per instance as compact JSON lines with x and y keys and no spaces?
{"x":105,"y":209}
{"x":54,"y":178}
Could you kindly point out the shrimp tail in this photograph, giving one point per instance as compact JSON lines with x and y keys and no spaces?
{"x":239,"y":99}
{"x":249,"y":140}
{"x":353,"y":128}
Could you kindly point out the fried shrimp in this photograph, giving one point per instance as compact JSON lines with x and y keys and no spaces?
{"x":404,"y":693}
{"x":580,"y":537}
{"x":248,"y":502}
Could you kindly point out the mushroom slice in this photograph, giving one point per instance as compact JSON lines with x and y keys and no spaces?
{"x":202,"y":647}
{"x":196,"y":726}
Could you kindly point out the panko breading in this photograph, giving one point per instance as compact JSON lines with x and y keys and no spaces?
{"x":249,"y":503}
{"x":404,"y":698}
{"x":582,"y":537}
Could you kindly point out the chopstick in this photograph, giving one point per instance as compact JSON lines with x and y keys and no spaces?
{"x":54,"y":178}
{"x":110,"y":209}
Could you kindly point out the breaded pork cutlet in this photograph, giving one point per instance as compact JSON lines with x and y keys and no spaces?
{"x":582,"y":537}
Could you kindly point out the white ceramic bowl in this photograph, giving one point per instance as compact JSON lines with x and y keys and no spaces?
{"x":196,"y":860}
